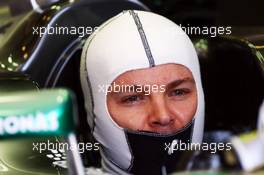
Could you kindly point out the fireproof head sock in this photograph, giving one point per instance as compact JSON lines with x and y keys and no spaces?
{"x":129,"y":41}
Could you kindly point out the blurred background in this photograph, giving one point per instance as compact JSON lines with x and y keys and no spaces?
{"x":244,"y":13}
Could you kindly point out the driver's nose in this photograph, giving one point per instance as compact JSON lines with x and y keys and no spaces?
{"x":160,"y":118}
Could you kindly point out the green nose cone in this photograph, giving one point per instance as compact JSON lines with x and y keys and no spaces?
{"x":47,"y":112}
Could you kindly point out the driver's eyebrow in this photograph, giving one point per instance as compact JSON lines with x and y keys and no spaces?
{"x":178,"y":82}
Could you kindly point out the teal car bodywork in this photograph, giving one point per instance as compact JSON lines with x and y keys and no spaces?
{"x":34,"y":127}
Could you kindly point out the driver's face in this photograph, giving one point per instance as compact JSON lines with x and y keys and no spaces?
{"x":161,"y":99}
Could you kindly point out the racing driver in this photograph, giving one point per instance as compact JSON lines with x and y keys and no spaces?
{"x":141,"y":81}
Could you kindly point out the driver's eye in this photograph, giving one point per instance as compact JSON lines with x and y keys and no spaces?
{"x":132,"y":99}
{"x":179,"y":92}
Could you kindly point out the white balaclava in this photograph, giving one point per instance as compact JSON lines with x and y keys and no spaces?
{"x":129,"y":41}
